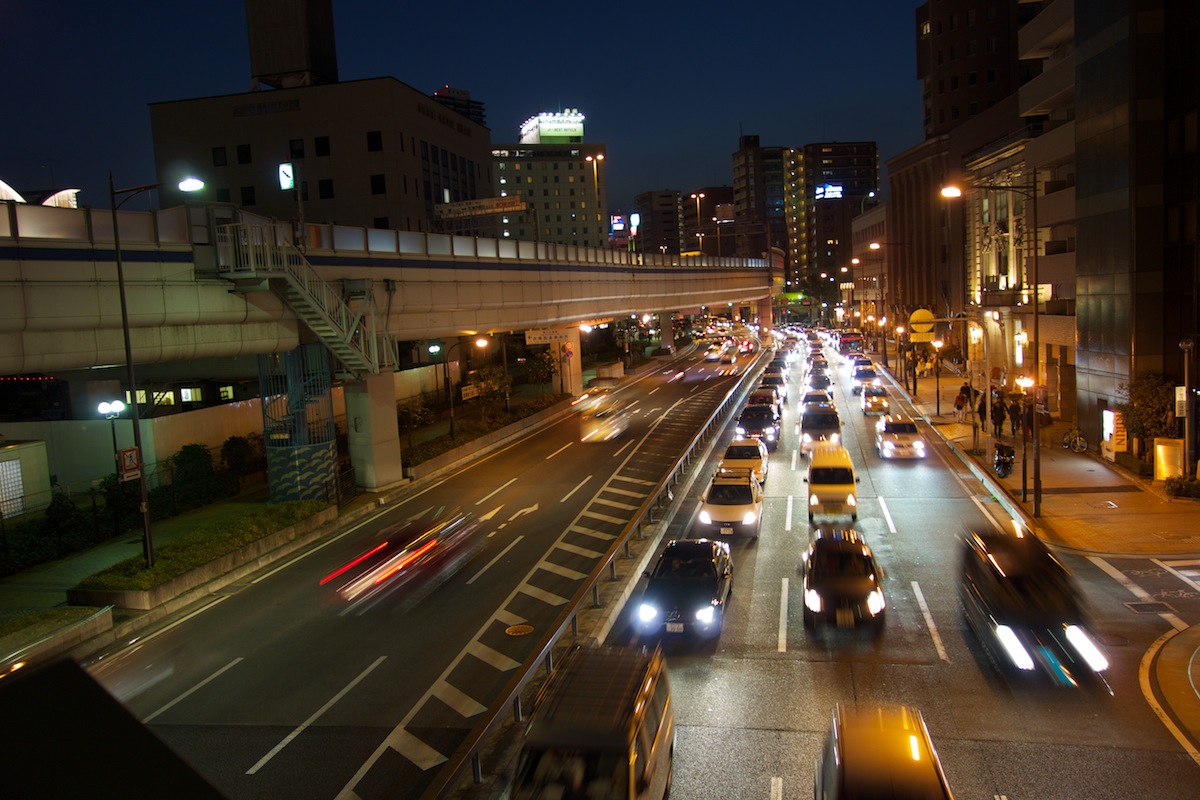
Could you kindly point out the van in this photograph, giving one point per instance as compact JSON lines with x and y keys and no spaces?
{"x":880,"y":752}
{"x":603,"y":725}
{"x":832,"y":482}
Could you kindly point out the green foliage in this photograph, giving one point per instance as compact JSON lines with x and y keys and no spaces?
{"x":1149,"y":409}
{"x":411,"y":416}
{"x":240,"y":456}
{"x":541,"y":368}
{"x":201,"y":546}
{"x":1137,"y":466}
{"x":1180,"y":486}
{"x":493,"y":383}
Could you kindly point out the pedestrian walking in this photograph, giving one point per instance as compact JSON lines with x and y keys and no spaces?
{"x":1015,"y":417}
{"x":960,"y":407}
{"x":998,"y":415}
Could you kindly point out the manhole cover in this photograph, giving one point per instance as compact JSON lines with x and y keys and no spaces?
{"x":519,"y":630}
{"x":1150,"y":608}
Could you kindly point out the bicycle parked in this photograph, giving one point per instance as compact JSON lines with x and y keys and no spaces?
{"x":1075,"y":441}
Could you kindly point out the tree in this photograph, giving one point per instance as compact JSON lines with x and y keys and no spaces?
{"x":1149,"y":409}
{"x":541,"y":368}
{"x":493,"y":384}
{"x":411,"y":416}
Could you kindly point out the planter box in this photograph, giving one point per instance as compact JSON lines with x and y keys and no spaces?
{"x":212,"y":576}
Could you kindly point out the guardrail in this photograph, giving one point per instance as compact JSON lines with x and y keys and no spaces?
{"x":469,"y":752}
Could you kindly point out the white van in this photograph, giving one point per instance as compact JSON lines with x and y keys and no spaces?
{"x":603,"y":725}
{"x":832,"y":482}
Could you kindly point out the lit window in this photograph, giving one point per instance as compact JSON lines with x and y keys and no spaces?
{"x":190,"y":395}
{"x":225,"y":392}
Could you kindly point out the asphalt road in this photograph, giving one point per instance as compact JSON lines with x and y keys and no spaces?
{"x":280,"y":688}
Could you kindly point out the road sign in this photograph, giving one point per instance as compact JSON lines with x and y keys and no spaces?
{"x":921,"y":321}
{"x":545,"y":336}
{"x":469,"y":390}
{"x":131,"y":464}
{"x":917,"y":336}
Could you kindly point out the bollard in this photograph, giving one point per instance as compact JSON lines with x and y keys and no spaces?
{"x":476,"y":768}
{"x":517,"y":708}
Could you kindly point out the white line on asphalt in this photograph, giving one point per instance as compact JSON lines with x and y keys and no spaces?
{"x":983,"y":510}
{"x":1148,"y":693}
{"x":776,"y":788}
{"x":783,"y":603}
{"x":194,"y":689}
{"x":495,"y":491}
{"x":623,"y":448}
{"x":576,"y":489}
{"x":143,"y":639}
{"x":787,"y":523}
{"x":795,"y":459}
{"x":933,"y":631}
{"x":499,"y":556}
{"x":559,"y":450}
{"x":1135,"y":590}
{"x":652,"y":391}
{"x":1177,"y":573}
{"x":317,"y":715}
{"x":887,"y":516}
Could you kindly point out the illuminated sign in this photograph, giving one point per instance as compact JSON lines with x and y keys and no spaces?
{"x":618,"y":222}
{"x":287,"y":176}
{"x":474,"y":208}
{"x":829,"y":191}
{"x":565,"y":125}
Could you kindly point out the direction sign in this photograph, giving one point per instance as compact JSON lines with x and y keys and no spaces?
{"x":921,"y":320}
{"x":545,"y":336}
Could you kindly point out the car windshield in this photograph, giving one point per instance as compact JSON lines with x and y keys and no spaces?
{"x":758,"y":415}
{"x":674,"y":568}
{"x":831,"y":475}
{"x":820,"y":421}
{"x":845,"y":563}
{"x":864,"y":374}
{"x":772,"y":380}
{"x":743,"y":452}
{"x":724,"y":494}
{"x":875,"y":391}
{"x":901,"y":427}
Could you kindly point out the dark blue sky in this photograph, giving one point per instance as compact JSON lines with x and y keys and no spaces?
{"x":667,"y":86}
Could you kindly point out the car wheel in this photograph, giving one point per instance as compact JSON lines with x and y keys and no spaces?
{"x":810,"y":516}
{"x":877,"y":626}
{"x":810,"y":620}
{"x":854,"y":517}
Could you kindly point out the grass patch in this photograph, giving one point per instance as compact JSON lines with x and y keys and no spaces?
{"x":201,"y":546}
{"x":35,"y":624}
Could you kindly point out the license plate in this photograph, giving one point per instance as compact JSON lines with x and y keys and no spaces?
{"x":674,"y":627}
{"x":727,"y":530}
{"x":845,"y":618}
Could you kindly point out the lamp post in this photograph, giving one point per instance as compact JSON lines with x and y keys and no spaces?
{"x":595,"y":162}
{"x":1024,"y":382}
{"x":1186,"y":346}
{"x":110,"y":411}
{"x":937,"y":374}
{"x":435,"y":349}
{"x":187,"y":185}
{"x":698,"y":196}
{"x":1028,"y":190}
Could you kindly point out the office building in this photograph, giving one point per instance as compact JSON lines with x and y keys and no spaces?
{"x":661,"y":215}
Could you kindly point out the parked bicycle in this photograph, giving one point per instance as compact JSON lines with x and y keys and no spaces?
{"x":1074,"y":441}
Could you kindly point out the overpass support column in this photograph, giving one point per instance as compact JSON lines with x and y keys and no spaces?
{"x":373,"y":432}
{"x":765,"y":323}
{"x":570,"y":363}
{"x":666,"y":332}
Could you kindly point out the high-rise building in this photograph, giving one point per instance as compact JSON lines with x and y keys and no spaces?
{"x":460,"y":100}
{"x":560,"y":178}
{"x":662,"y":221}
{"x":758,"y":198}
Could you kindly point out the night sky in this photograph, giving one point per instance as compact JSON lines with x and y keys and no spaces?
{"x":668,"y":87}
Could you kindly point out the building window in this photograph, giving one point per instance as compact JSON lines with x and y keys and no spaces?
{"x":190,"y":395}
{"x":222,"y":195}
{"x":225,"y":392}
{"x":378,"y":184}
{"x":321,"y":146}
{"x":296,"y":148}
{"x":374,"y":141}
{"x":247,"y":195}
{"x":243,"y":153}
{"x":220,"y":157}
{"x":166,"y":398}
{"x":325,"y":188}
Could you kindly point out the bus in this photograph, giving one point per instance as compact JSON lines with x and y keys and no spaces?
{"x":851,"y":343}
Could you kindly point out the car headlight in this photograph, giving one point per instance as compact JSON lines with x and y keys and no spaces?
{"x":706,"y":615}
{"x":875,"y":602}
{"x":835,"y":438}
{"x":813,"y":500}
{"x":1012,"y":645}
{"x":741,"y":431}
{"x":807,"y":437}
{"x":647,"y":612}
{"x":812,"y":601}
{"x":705,"y":517}
{"x":1086,"y":648}
{"x":889,"y":445}
{"x":770,"y":435}
{"x":749,"y":517}
{"x":851,"y":500}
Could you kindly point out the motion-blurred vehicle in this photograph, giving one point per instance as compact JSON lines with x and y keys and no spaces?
{"x":713,"y":353}
{"x":688,"y":589}
{"x":747,"y":453}
{"x":729,"y":354}
{"x":897,"y":436}
{"x":732,"y":505}
{"x":603,"y":420}
{"x":818,"y":424}
{"x":410,"y":556}
{"x":1024,"y":608}
{"x":843,"y":585}
{"x":875,"y":400}
{"x":882,"y":753}
{"x":759,"y":422}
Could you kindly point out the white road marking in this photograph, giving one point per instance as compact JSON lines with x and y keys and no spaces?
{"x":499,"y":556}
{"x":495,"y":492}
{"x":783,"y":612}
{"x":579,"y":551}
{"x":578,"y":486}
{"x":549,"y":598}
{"x":623,"y":448}
{"x":787,"y":521}
{"x":1170,"y":567}
{"x":933,"y":631}
{"x":194,"y":689}
{"x":887,"y":516}
{"x":316,"y":715}
{"x":493,"y":658}
{"x":983,"y":510}
{"x":776,"y":788}
{"x":569,"y":574}
{"x":795,"y":459}
{"x":466,"y":707}
{"x":1148,"y":693}
{"x":1135,"y":590}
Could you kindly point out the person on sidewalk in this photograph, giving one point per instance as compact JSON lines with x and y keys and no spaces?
{"x":998,"y":415}
{"x":960,"y":407}
{"x":1015,"y":416}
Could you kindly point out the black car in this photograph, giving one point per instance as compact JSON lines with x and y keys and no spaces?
{"x":843,"y":584}
{"x":759,"y":422}
{"x":819,"y":380}
{"x":688,"y":589}
{"x":1023,"y":606}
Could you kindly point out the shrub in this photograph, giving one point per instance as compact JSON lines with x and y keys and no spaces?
{"x":1182,"y":486}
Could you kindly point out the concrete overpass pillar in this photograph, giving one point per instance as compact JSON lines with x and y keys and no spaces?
{"x":666,"y":331}
{"x":373,"y":432}
{"x":570,"y":363}
{"x":765,"y":323}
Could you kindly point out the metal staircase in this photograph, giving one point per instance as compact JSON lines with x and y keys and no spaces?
{"x":257,"y":257}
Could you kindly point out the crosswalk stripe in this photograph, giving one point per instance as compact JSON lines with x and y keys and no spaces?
{"x":492,"y":657}
{"x":549,"y":598}
{"x":550,"y":566}
{"x":465,"y":706}
{"x":579,"y":551}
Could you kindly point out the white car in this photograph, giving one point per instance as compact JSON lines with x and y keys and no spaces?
{"x":731,"y":505}
{"x":898,"y":437}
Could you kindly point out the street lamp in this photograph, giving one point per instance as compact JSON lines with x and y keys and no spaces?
{"x":436,"y":348}
{"x":937,"y":374}
{"x":1186,"y":346}
{"x":1028,"y":190}
{"x":1024,"y":382}
{"x":698,"y":196}
{"x":187,"y":185}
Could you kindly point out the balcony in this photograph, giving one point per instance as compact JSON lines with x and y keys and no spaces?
{"x":1051,"y":90}
{"x":1053,"y":26}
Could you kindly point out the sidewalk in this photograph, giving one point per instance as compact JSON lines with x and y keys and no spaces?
{"x":1091,"y":505}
